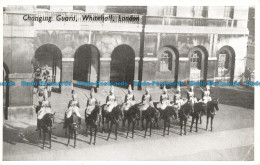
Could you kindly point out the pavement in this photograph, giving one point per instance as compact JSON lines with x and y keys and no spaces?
{"x":232,"y":137}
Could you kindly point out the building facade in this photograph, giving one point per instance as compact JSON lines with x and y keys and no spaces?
{"x":171,"y":43}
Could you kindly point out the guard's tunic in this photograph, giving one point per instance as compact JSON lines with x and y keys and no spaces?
{"x":146,"y":102}
{"x":91,"y":103}
{"x":129,"y":101}
{"x":190,"y":96}
{"x":45,"y":108}
{"x":164,"y":101}
{"x":206,"y":96}
{"x":73,"y":107}
{"x":177,"y":100}
{"x":110,"y":102}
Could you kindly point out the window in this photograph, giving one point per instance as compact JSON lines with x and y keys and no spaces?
{"x":229,"y":12}
{"x":223,"y":60}
{"x":82,"y":8}
{"x":200,"y":11}
{"x":170,"y":10}
{"x":195,"y":60}
{"x":43,"y":7}
{"x":166,"y":61}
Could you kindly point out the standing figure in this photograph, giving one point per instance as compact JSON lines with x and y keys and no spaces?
{"x":73,"y":107}
{"x":91,"y":103}
{"x":110,"y":101}
{"x":129,"y":99}
{"x":177,"y":101}
{"x":37,"y":76}
{"x":48,"y":80}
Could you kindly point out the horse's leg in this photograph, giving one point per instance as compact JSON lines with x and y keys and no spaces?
{"x":185,"y":123}
{"x":86,"y":129}
{"x":133,"y":128}
{"x":117,"y":123}
{"x":211,"y":122}
{"x":123,"y":124}
{"x":169,"y":123}
{"x":146,"y":127}
{"x":69,"y":137}
{"x":192,"y":121}
{"x":142,"y":122}
{"x":164,"y":127}
{"x":200,"y":119}
{"x":95,"y":134}
{"x":110,"y":129}
{"x":197,"y":120}
{"x":75,"y":137}
{"x":44,"y":137}
{"x":50,"y":137}
{"x":151,"y":123}
{"x":128,"y":125}
{"x":181,"y":124}
{"x":207,"y":123}
{"x":90,"y":131}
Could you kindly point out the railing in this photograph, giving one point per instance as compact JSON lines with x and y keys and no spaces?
{"x":117,"y":18}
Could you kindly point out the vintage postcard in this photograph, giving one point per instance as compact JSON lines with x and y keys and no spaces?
{"x":130,"y":82}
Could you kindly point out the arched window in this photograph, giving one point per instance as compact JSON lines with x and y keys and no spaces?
{"x":166,"y":61}
{"x":195,"y":60}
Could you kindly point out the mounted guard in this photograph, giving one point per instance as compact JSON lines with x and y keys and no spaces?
{"x":110,"y":100}
{"x":91,"y":103}
{"x":73,"y":107}
{"x":206,"y":95}
{"x":164,"y":100}
{"x":129,"y":99}
{"x":191,"y":95}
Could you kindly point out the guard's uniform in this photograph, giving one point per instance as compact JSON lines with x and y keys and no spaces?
{"x":49,"y":85}
{"x":206,"y":96}
{"x":73,"y":107}
{"x":110,"y":102}
{"x":91,"y":103}
{"x":190,"y":96}
{"x":45,"y":108}
{"x":164,"y":101}
{"x":129,"y":101}
{"x":146,"y":102}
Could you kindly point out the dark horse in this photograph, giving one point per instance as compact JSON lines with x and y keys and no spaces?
{"x":131,"y":115}
{"x":199,"y":110}
{"x":45,"y":126}
{"x":184,"y":114}
{"x":114,"y":117}
{"x":212,"y":106}
{"x":93,"y":120}
{"x":150,"y":114}
{"x":167,"y":114}
{"x":73,"y":124}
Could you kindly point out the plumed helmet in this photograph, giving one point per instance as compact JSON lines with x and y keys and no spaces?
{"x":112,"y":89}
{"x":146,"y":90}
{"x":130,"y":88}
{"x":191,"y":87}
{"x":178,"y":88}
{"x":207,"y":87}
{"x":164,"y":89}
{"x":74,"y":96}
{"x":92,"y":91}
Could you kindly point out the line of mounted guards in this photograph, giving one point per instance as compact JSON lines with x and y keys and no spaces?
{"x":111,"y":102}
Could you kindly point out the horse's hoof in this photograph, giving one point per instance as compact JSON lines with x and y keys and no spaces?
{"x":163,"y":135}
{"x":42,"y":147}
{"x":50,"y":147}
{"x":206,"y":129}
{"x":191,"y":131}
{"x":67,"y":145}
{"x":211,"y":130}
{"x":181,"y":134}
{"x":74,"y":146}
{"x":196,"y":130}
{"x":185,"y":133}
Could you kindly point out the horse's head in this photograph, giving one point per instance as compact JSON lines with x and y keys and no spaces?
{"x":216,"y":102}
{"x":117,"y":112}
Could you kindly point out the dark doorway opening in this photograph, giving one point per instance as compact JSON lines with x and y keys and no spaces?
{"x":122,"y":64}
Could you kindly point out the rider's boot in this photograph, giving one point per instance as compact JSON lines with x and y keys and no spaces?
{"x":65,"y":122}
{"x":38,"y":125}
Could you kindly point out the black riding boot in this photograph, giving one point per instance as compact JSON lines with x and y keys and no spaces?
{"x":38,"y":125}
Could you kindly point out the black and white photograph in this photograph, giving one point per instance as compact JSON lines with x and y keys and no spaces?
{"x":129,"y":82}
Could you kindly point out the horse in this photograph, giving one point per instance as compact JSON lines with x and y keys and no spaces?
{"x":131,"y":115}
{"x":45,"y":126}
{"x":93,"y":121}
{"x":114,"y":117}
{"x":184,"y":114}
{"x":167,"y":115}
{"x":199,"y":110}
{"x":212,"y":106}
{"x":150,"y":114}
{"x":73,"y":124}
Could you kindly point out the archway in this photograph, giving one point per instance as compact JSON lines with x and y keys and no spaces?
{"x":122,"y":64}
{"x":198,"y":58}
{"x":49,"y":57}
{"x":167,"y":66}
{"x":86,"y":64}
{"x":5,"y":90}
{"x":226,"y":64}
